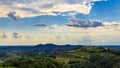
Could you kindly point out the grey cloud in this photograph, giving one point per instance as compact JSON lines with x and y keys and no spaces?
{"x":47,"y":6}
{"x":25,"y":1}
{"x":11,"y":2}
{"x":73,"y":1}
{"x":58,"y":37}
{"x":28,"y":37}
{"x":53,"y":26}
{"x":16,"y":35}
{"x":117,"y":29}
{"x":13,"y":16}
{"x":4,"y":35}
{"x":6,"y":2}
{"x":40,"y":24}
{"x":74,"y":22}
{"x":70,"y":13}
{"x":29,"y":10}
{"x":50,"y":27}
{"x":45,"y":25}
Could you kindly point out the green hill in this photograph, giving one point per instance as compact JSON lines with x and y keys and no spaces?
{"x":80,"y":57}
{"x":91,"y":57}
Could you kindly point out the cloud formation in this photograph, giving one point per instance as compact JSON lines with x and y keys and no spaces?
{"x":13,"y":16}
{"x":53,"y":26}
{"x":3,"y":36}
{"x":74,"y":22}
{"x":40,"y":24}
{"x":16,"y":35}
{"x":27,"y":8}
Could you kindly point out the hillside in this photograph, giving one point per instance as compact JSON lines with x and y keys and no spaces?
{"x":91,"y":57}
{"x":80,"y":57}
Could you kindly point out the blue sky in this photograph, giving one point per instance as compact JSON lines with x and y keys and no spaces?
{"x":106,"y":11}
{"x":65,"y":22}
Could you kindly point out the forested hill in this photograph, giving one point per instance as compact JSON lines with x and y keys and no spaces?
{"x":40,"y":47}
{"x":91,"y":57}
{"x":80,"y":57}
{"x":47,"y":47}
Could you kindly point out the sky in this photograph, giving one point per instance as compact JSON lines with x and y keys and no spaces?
{"x":32,"y":22}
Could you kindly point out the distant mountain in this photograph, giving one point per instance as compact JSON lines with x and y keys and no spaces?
{"x":91,"y":57}
{"x":56,"y":47}
{"x":47,"y":47}
{"x":40,"y":47}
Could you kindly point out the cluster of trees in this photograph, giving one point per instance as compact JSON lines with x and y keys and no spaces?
{"x":96,"y":62}
{"x":32,"y":63}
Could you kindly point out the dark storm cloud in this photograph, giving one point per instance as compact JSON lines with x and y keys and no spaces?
{"x":16,"y":35}
{"x":13,"y":16}
{"x":74,"y":22}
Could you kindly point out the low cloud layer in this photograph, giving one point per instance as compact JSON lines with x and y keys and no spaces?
{"x":27,"y":8}
{"x":74,"y":22}
{"x":108,"y":33}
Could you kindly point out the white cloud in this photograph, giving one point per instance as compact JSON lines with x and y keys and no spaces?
{"x":27,"y":8}
{"x":112,"y":23}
